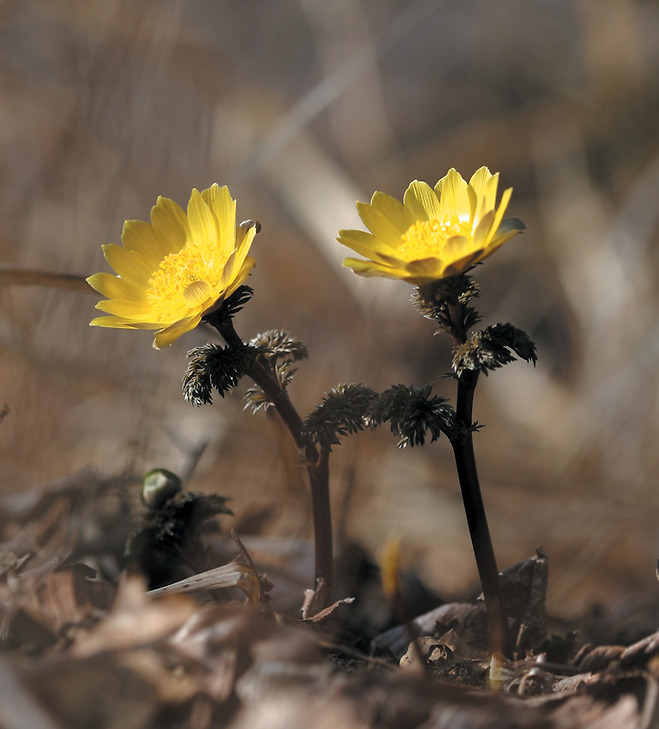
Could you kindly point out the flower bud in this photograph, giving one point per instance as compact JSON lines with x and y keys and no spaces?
{"x":158,"y":486}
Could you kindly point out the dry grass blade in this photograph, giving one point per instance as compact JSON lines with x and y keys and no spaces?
{"x":17,"y":276}
{"x":227,"y":576}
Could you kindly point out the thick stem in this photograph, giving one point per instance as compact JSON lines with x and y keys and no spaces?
{"x":317,"y":463}
{"x":319,"y":480}
{"x":465,"y":461}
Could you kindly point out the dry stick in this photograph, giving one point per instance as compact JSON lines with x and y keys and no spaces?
{"x":465,"y":461}
{"x":316,"y":462}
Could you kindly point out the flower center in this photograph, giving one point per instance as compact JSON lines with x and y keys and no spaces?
{"x":184,"y":281}
{"x":426,"y":238}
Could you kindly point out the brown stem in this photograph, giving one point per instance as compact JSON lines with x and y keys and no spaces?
{"x":465,"y":461}
{"x":319,"y":480}
{"x":459,"y":331}
{"x":316,"y":462}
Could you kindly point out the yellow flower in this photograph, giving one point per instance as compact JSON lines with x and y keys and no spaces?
{"x":433,"y":233}
{"x":172,"y":271}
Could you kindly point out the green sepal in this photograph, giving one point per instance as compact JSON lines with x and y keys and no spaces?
{"x":212,"y":367}
{"x":280,"y":350}
{"x":223,"y":313}
{"x":167,"y":538}
{"x":278,"y":345}
{"x":433,"y":301}
{"x":340,"y":413}
{"x":413,"y":414}
{"x":492,"y":348}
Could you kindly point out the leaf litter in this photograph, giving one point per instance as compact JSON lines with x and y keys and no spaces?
{"x":89,"y":641}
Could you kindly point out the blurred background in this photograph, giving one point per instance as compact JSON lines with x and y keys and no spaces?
{"x":303,"y":107}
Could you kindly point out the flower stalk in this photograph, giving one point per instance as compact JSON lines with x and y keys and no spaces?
{"x":316,"y":460}
{"x":432,"y":239}
{"x":472,"y":498}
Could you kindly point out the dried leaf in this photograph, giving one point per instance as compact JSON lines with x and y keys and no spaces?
{"x":641,"y":651}
{"x":94,"y":691}
{"x":134,"y":621}
{"x":40,"y":604}
{"x":467,"y":620}
{"x":524,"y":589}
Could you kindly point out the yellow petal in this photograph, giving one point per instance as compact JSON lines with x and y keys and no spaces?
{"x":114,"y":322}
{"x":125,"y":309}
{"x":484,"y":230}
{"x":203,"y":228}
{"x":454,"y":199}
{"x":456,"y":247}
{"x":170,"y":334}
{"x":140,"y":237}
{"x":130,"y":265}
{"x":223,"y":209}
{"x":144,"y":325}
{"x":244,"y":240}
{"x":382,"y":228}
{"x":484,"y":184}
{"x":241,"y":276}
{"x":473,"y":205}
{"x":460,"y":265}
{"x":370,"y":268}
{"x":426,"y":269}
{"x":114,"y":287}
{"x":366,"y":245}
{"x":170,"y":225}
{"x":489,"y":199}
{"x":391,"y":209}
{"x":420,"y":202}
{"x":505,"y":199}
{"x":227,"y":274}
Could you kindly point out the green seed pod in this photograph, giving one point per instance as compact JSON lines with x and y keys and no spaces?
{"x":158,"y":486}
